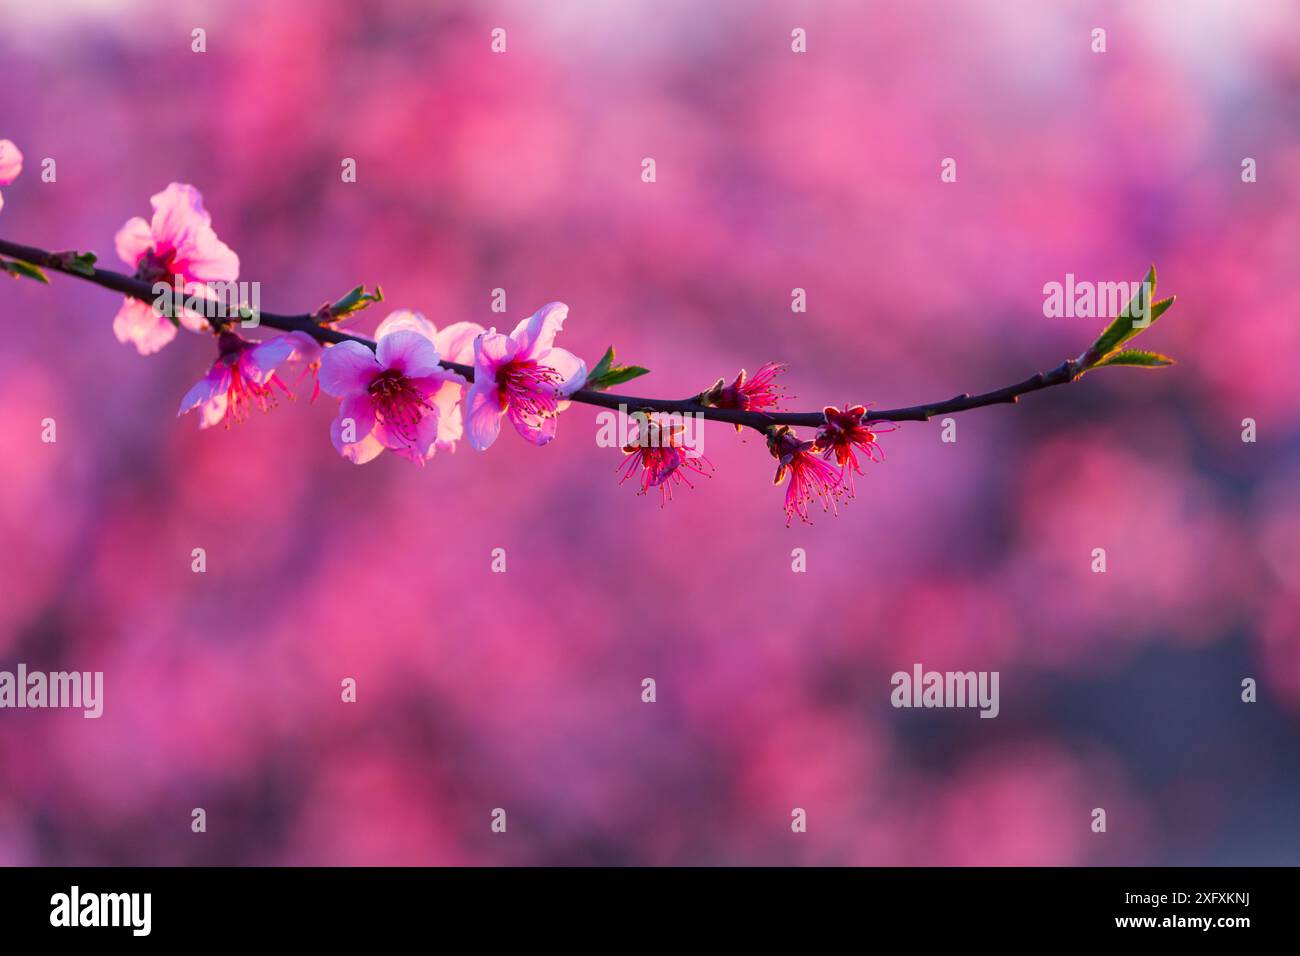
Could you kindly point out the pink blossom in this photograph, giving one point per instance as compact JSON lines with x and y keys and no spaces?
{"x":11,"y":164}
{"x":847,"y":432}
{"x":524,"y":376}
{"x":811,"y":478}
{"x":393,"y":397}
{"x":455,"y":343}
{"x":178,"y":245}
{"x":244,"y":375}
{"x":658,"y":452}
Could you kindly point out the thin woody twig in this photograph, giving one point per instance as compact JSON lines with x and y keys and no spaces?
{"x":305,"y":322}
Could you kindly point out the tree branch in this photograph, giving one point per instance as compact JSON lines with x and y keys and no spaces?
{"x":139,"y":289}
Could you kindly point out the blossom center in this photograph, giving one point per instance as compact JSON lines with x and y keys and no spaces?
{"x":399,"y":403}
{"x":531,"y":386}
{"x":154,"y":267}
{"x":243,"y":393}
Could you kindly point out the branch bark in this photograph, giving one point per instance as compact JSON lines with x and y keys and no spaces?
{"x":1063,"y":374}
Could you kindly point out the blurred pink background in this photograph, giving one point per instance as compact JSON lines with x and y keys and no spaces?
{"x":775,"y":170}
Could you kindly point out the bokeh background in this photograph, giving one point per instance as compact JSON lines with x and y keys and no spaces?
{"x":775,"y":170}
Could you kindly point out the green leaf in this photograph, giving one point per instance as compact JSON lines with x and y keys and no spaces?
{"x":1136,"y":317}
{"x":602,"y":367}
{"x":23,"y":270}
{"x":619,"y":375}
{"x":356,"y":300}
{"x":607,"y":374}
{"x":1136,"y":358}
{"x":82,"y":263}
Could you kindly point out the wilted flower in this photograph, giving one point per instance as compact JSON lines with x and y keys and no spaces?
{"x":748,"y":394}
{"x":658,"y":452}
{"x":845,"y":433}
{"x":811,"y":478}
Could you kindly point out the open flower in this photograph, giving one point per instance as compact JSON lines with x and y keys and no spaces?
{"x":388,"y":395}
{"x":811,"y":478}
{"x":178,"y":245}
{"x":455,"y":343}
{"x":243,"y":376}
{"x":11,"y":164}
{"x":524,"y":376}
{"x":657,"y":451}
{"x":847,"y":432}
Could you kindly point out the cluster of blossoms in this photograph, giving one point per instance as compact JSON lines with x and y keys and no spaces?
{"x":811,"y":479}
{"x":397,"y":396}
{"x":410,"y":392}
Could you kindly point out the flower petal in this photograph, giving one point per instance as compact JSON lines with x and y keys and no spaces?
{"x":347,"y":369}
{"x":202,"y":390}
{"x":133,"y":240}
{"x":11,"y":162}
{"x":410,"y":353}
{"x":214,"y":410}
{"x":451,"y":425}
{"x":210,"y":395}
{"x":456,"y":342}
{"x":178,"y":211}
{"x":538,"y":431}
{"x":573,"y":370}
{"x":417,"y":448}
{"x":359,"y":412}
{"x":261,"y":361}
{"x":483,"y":406}
{"x":408,"y":321}
{"x":491,"y":351}
{"x":536,"y":333}
{"x":305,"y":348}
{"x":207,"y":259}
{"x":137,"y":323}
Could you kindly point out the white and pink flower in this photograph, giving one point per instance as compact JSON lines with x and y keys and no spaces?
{"x":523,"y":376}
{"x":245,"y":375}
{"x":178,"y":245}
{"x":11,"y":164}
{"x":398,"y":397}
{"x":455,"y":343}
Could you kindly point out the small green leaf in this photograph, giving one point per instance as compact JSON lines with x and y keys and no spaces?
{"x":23,"y":270}
{"x":1136,"y":358}
{"x":607,"y":374}
{"x":602,"y":366}
{"x":355,"y":300}
{"x":618,"y":375}
{"x":82,"y":263}
{"x":1138,"y":316}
